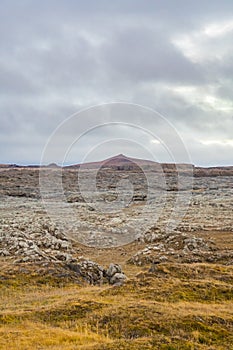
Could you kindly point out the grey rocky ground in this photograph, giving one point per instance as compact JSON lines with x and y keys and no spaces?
{"x":163,"y":217}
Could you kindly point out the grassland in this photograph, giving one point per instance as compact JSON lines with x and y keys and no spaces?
{"x":178,"y":306}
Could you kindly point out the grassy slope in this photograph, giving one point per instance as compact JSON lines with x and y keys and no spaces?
{"x":177,"y":307}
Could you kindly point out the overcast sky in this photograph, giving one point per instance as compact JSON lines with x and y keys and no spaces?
{"x":59,"y":57}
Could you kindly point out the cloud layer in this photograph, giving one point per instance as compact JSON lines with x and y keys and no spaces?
{"x":58,"y":57}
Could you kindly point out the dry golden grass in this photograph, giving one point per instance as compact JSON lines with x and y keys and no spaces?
{"x":180,"y":306}
{"x":31,"y":335}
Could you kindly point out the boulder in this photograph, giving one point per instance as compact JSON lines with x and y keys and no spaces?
{"x":115,"y":275}
{"x":118,"y":279}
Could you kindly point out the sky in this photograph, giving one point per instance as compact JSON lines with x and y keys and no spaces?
{"x":60,"y":58}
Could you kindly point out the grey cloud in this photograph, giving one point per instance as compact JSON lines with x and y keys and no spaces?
{"x":225,"y":89}
{"x":57,"y":57}
{"x":15,"y":83}
{"x":143,"y":54}
{"x":209,"y":155}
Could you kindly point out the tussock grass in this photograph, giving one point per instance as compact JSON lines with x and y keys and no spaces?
{"x":178,"y":306}
{"x":31,"y":335}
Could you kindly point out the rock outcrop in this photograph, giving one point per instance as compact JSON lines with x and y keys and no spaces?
{"x":94,"y":273}
{"x":180,"y":247}
{"x":115,"y":275}
{"x":34,"y":242}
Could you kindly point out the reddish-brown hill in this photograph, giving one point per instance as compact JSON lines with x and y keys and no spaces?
{"x":124,"y":163}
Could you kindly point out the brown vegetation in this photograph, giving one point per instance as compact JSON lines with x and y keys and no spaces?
{"x":176,"y":306}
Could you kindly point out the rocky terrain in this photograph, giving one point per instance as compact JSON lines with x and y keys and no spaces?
{"x":145,"y":213}
{"x":161,"y":211}
{"x":142,"y":259}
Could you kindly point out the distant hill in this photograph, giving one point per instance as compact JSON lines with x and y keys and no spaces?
{"x":124,"y":163}
{"x":119,"y":162}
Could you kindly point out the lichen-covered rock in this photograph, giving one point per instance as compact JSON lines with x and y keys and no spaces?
{"x":175,"y":245}
{"x":113,"y":269}
{"x":118,"y":279}
{"x":34,"y":241}
{"x":115,"y":275}
{"x":95,"y":274}
{"x":89,"y":270}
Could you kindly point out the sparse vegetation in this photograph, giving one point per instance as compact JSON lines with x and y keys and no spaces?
{"x":179,"y":306}
{"x":173,"y":290}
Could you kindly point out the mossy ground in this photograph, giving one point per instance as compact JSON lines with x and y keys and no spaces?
{"x":179,"y":306}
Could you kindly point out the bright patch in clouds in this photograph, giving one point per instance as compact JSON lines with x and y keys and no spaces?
{"x":217,"y":103}
{"x":204,"y":97}
{"x":218,"y":29}
{"x":155,"y":142}
{"x":217,"y":142}
{"x":209,"y":43}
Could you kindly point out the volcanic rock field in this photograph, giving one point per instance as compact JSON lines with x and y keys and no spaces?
{"x":175,"y":215}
